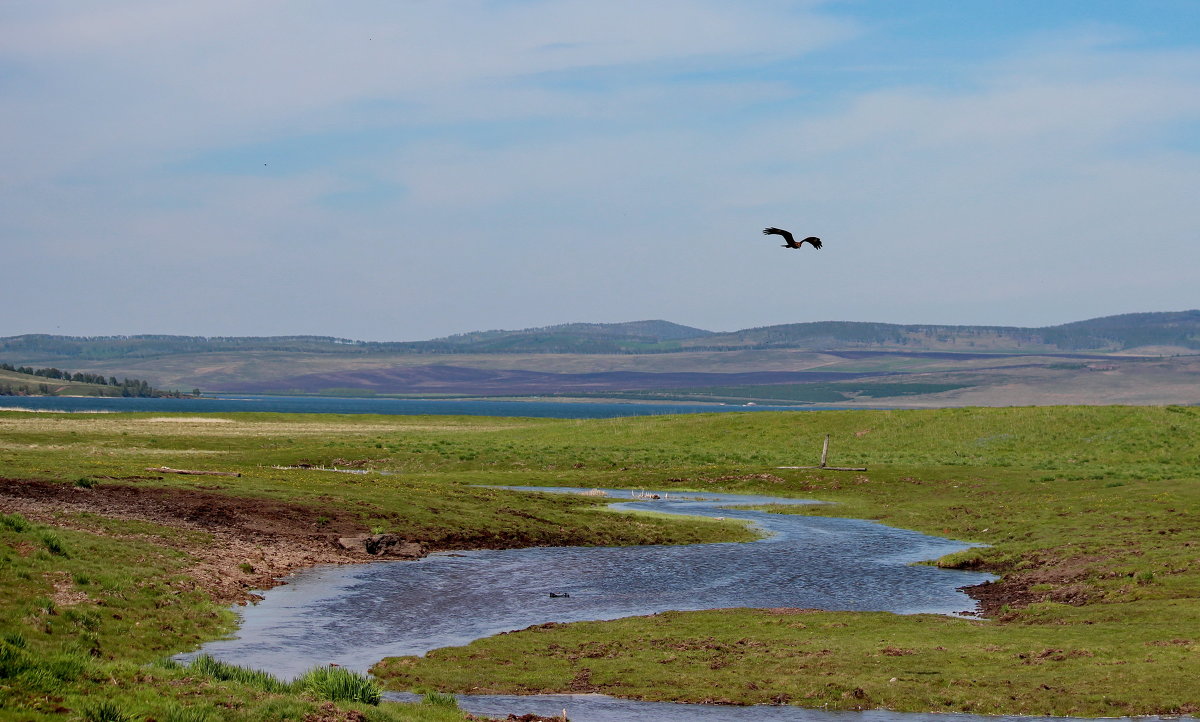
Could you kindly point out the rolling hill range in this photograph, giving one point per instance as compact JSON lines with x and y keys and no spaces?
{"x":1173,"y":332}
{"x":1142,"y":358}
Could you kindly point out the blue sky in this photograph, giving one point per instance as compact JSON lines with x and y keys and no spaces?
{"x":404,"y":170}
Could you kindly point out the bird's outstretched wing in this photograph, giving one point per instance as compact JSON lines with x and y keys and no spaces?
{"x":791,"y":241}
{"x":816,"y":242}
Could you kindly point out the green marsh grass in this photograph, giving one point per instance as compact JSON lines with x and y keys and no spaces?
{"x":225,"y":672}
{"x":105,"y":711}
{"x":14,"y":522}
{"x":53,"y":543}
{"x":180,"y":713}
{"x":1098,"y":505}
{"x":439,"y":699}
{"x":339,"y":685}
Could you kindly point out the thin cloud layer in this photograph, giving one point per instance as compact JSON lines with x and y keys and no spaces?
{"x":408,"y":170}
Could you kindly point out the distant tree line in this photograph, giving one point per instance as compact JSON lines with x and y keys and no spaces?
{"x":117,"y":387}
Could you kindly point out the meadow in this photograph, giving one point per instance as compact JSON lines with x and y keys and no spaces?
{"x":1088,"y":514}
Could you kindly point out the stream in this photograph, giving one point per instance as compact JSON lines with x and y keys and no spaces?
{"x":355,"y":615}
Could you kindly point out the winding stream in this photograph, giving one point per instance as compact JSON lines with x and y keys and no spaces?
{"x":356,"y":615}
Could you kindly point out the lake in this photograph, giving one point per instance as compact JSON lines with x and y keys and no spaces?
{"x":371,"y":405}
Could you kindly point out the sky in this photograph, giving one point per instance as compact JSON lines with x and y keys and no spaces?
{"x":406,"y":169}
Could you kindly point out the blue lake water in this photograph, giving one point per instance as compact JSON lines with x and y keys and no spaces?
{"x":356,"y":615}
{"x":340,"y":405}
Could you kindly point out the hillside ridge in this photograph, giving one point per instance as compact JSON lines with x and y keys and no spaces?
{"x":1109,"y":334}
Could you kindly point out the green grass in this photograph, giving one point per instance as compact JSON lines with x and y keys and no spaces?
{"x":82,"y":633}
{"x":1094,"y":508}
{"x":840,"y":660}
{"x":339,"y":685}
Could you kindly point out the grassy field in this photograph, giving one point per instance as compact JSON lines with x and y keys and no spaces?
{"x":1090,"y":514}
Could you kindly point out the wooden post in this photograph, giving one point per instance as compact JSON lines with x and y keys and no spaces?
{"x":824,"y":459}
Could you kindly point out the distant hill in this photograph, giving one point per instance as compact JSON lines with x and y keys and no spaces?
{"x":627,"y":337}
{"x":1130,"y":330}
{"x":644,"y":331}
{"x":148,"y":346}
{"x":1180,"y":330}
{"x":1141,"y":358}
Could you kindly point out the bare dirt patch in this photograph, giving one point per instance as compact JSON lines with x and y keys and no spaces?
{"x":253,"y":540}
{"x":188,"y":420}
{"x":1054,"y":579}
{"x":65,"y":593}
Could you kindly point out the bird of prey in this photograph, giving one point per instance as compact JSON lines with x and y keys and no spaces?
{"x":790,"y":241}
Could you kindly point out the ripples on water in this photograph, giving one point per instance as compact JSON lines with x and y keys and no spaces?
{"x":356,"y":615}
{"x":599,"y":708}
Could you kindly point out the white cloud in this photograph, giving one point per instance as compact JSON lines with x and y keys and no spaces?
{"x":560,"y":161}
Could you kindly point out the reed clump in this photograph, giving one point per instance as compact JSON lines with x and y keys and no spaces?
{"x":226,"y":672}
{"x":338,"y":684}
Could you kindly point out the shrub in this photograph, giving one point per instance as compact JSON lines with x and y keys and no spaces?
{"x":338,"y":684}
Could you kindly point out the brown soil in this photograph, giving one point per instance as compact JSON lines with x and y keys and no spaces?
{"x":528,"y":717}
{"x":1063,"y":577}
{"x":253,"y":540}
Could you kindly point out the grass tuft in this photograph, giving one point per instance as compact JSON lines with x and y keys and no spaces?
{"x":13,"y":661}
{"x":225,"y":672}
{"x":105,"y":711}
{"x":54,"y":544}
{"x":15,"y":522}
{"x":16,"y":639}
{"x":68,"y":667}
{"x":179,"y":713}
{"x":338,"y":684}
{"x":440,"y":699}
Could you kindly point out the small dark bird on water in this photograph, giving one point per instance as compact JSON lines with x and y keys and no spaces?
{"x":790,"y":240}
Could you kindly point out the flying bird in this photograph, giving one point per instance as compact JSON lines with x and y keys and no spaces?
{"x":790,"y":240}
